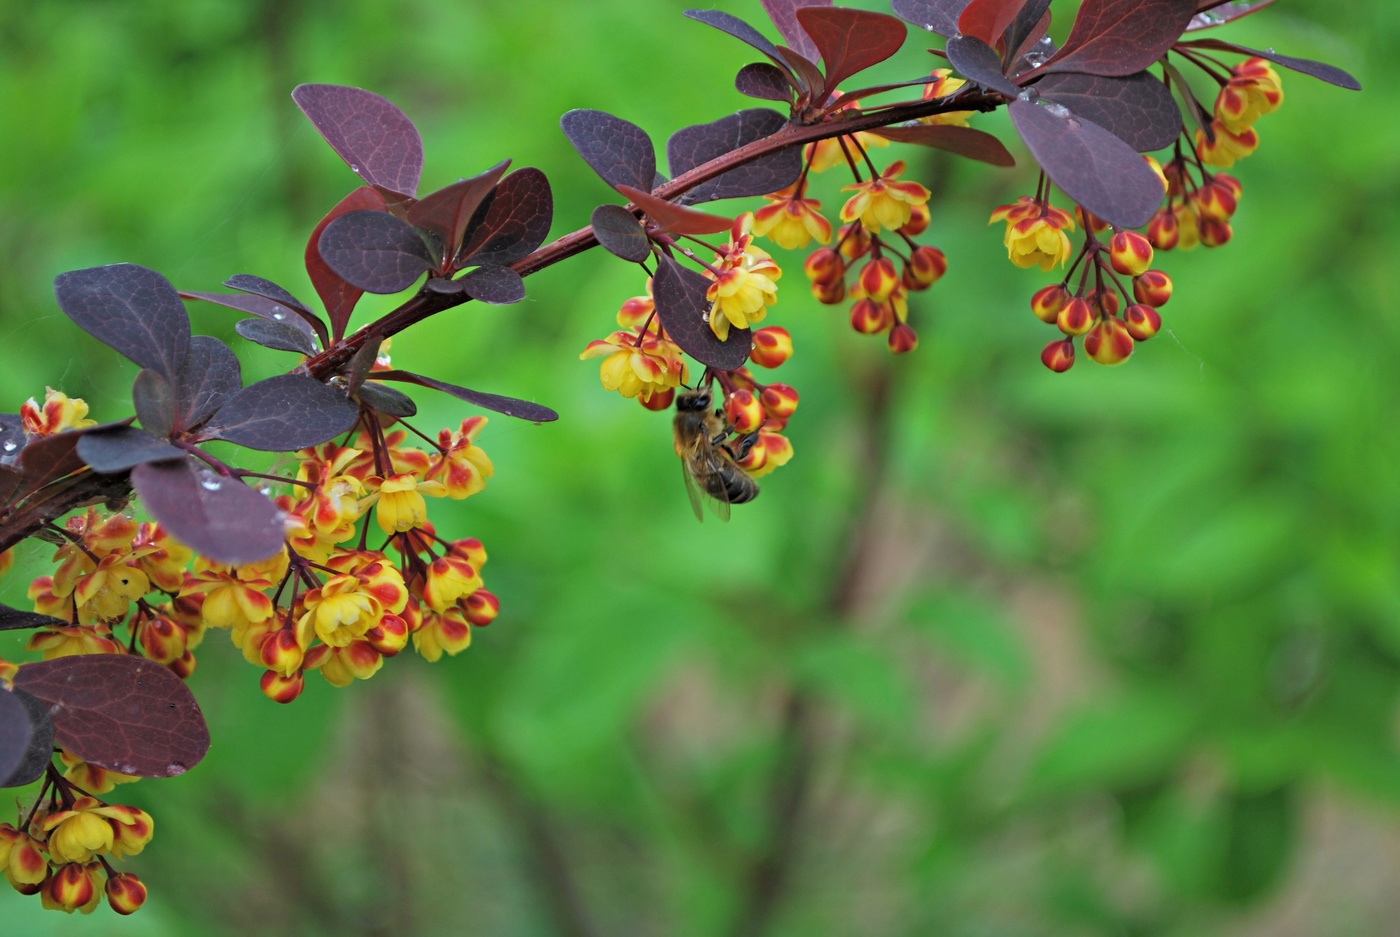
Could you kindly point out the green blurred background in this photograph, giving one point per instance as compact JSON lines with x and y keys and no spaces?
{"x":1000,"y":652}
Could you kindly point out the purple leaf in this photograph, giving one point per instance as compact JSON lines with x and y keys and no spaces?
{"x":447,"y":211}
{"x":219,"y":517}
{"x":988,"y":19}
{"x":15,"y":619}
{"x":117,"y":449}
{"x":134,"y":310}
{"x":493,"y":284}
{"x":26,"y":737}
{"x":761,"y":80}
{"x":266,"y":288}
{"x":376,"y":140}
{"x":12,"y":436}
{"x":517,"y":221}
{"x":154,"y":400}
{"x":979,"y":62}
{"x":1321,"y":70}
{"x":510,"y":406}
{"x":1027,"y":28}
{"x":696,"y":145}
{"x":208,"y":379}
{"x":683,"y":310}
{"x":10,"y":478}
{"x":620,"y":233}
{"x":674,"y":219}
{"x":120,"y":712}
{"x":282,"y":414}
{"x":964,"y":141}
{"x":48,"y":458}
{"x":1137,"y":109}
{"x":260,"y":306}
{"x":1120,"y":37}
{"x":1216,"y":13}
{"x":280,"y":336}
{"x":374,"y":251}
{"x":850,"y":41}
{"x":783,"y":13}
{"x":385,"y":399}
{"x":937,"y":16}
{"x":1091,"y":165}
{"x":737,"y":28}
{"x":338,"y":296}
{"x":361,"y":364}
{"x":618,"y":151}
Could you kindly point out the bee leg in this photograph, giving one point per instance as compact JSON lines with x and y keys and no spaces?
{"x":744,"y":445}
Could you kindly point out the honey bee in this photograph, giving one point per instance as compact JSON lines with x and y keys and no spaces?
{"x":708,"y":460}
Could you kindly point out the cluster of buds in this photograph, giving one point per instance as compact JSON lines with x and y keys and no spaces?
{"x":1196,"y":213}
{"x":745,"y":281}
{"x":751,"y":406}
{"x":1252,"y":90}
{"x":62,"y":850}
{"x":639,"y":360}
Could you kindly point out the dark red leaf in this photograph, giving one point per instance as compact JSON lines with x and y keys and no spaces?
{"x":683,"y":310}
{"x":937,"y":16}
{"x":386,"y":399}
{"x":979,"y":62}
{"x":964,"y":141}
{"x":447,"y":211}
{"x":220,"y":517}
{"x":1218,"y":12}
{"x":618,"y":151}
{"x":134,"y":310}
{"x":1028,"y":28}
{"x":282,"y":414}
{"x":338,"y":296}
{"x":510,"y":406}
{"x":494,"y":284}
{"x":807,"y":77}
{"x":1321,"y":70}
{"x":26,"y":737}
{"x":120,"y":712}
{"x":1137,"y":109}
{"x":11,"y":436}
{"x":1120,"y":37}
{"x":1091,"y":165}
{"x":674,"y":219}
{"x":988,"y":19}
{"x":516,"y":222}
{"x":850,"y":40}
{"x":761,"y":80}
{"x":154,"y":400}
{"x":48,"y":458}
{"x":783,"y":13}
{"x":696,"y":145}
{"x":374,"y":251}
{"x":208,"y":379}
{"x":280,"y":336}
{"x":117,"y":449}
{"x":360,"y":365}
{"x":10,"y":480}
{"x":620,"y":233}
{"x":260,"y":306}
{"x":376,"y":140}
{"x":15,"y":619}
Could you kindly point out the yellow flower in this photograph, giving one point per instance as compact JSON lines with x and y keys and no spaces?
{"x":791,"y":222}
{"x":941,"y":87}
{"x":401,"y":506}
{"x":1035,"y":233}
{"x":745,"y":282}
{"x":637,"y":365}
{"x":460,"y":464}
{"x":883,"y":201}
{"x":57,"y":413}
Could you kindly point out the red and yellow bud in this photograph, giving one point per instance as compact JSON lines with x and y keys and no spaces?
{"x":902,"y":339}
{"x":855,"y":242}
{"x":1217,"y":200}
{"x":829,"y":292}
{"x":281,"y":652}
{"x":1215,"y":233}
{"x":1108,"y":342}
{"x":1142,"y":321}
{"x":744,"y":411}
{"x":282,"y":689}
{"x":447,"y":632}
{"x":1130,"y":253}
{"x":72,"y":887}
{"x":918,"y":221}
{"x":1047,"y":302}
{"x":1162,"y":230}
{"x":925,"y":267}
{"x":481,"y":608}
{"x":357,"y":661}
{"x":1228,"y":146}
{"x":161,"y":638}
{"x":878,"y":278}
{"x":1058,"y":356}
{"x":779,"y":400}
{"x":1152,"y":288}
{"x":125,"y":893}
{"x":1104,"y":301}
{"x":389,"y":636}
{"x":824,"y":265}
{"x":132,"y":828}
{"x":772,"y":345}
{"x":871,"y":318}
{"x":657,"y":400}
{"x":1076,"y":318}
{"x":448,"y":579}
{"x":22,"y":859}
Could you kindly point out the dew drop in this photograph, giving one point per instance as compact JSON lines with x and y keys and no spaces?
{"x":1035,"y":59}
{"x":211,"y":484}
{"x":1059,"y":110}
{"x":173,"y":769}
{"x":10,"y":446}
{"x":354,"y":168}
{"x":1269,"y":50}
{"x":279,"y":316}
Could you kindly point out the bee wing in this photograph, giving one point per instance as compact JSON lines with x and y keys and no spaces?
{"x":692,"y":491}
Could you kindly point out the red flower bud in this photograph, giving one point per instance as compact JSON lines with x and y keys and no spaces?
{"x":1058,"y":356}
{"x":772,"y":345}
{"x":1163,"y":230}
{"x":1130,"y":253}
{"x":1152,"y":288}
{"x":871,"y":318}
{"x":1215,"y":233}
{"x":282,"y":689}
{"x":1108,"y":342}
{"x":1105,"y":302}
{"x":918,"y":220}
{"x":481,"y":607}
{"x":779,"y":400}
{"x":878,"y":278}
{"x":1076,"y":318}
{"x":902,"y":338}
{"x":1142,"y":321}
{"x":743,"y":411}
{"x":125,"y":893}
{"x":657,"y":399}
{"x":1047,"y":302}
{"x":925,"y":267}
{"x":824,"y":265}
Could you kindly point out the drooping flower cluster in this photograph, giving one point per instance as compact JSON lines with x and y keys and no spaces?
{"x":745,"y":281}
{"x":752,"y":406}
{"x":1252,"y":90}
{"x":639,"y":360}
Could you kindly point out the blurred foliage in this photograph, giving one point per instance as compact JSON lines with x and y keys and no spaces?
{"x":1000,"y":652}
